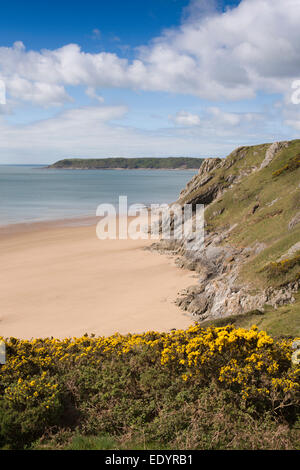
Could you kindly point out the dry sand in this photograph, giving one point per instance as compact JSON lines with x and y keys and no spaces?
{"x":61,"y":280}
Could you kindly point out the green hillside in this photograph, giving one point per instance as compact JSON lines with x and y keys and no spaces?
{"x":252,"y":201}
{"x":170,"y":163}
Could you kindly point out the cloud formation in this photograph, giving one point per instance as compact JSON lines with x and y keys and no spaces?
{"x":94,"y":131}
{"x":184,"y":118}
{"x":215,"y":117}
{"x":213,"y":55}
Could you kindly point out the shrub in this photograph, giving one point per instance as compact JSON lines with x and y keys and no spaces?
{"x":26,"y":408}
{"x":293,"y":164}
{"x":283,"y":271}
{"x":151,"y":385}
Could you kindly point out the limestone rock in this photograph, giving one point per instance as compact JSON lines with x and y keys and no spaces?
{"x":294,"y":221}
{"x":271,"y":152}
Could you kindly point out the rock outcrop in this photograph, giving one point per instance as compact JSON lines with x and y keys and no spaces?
{"x":200,"y":180}
{"x":220,"y":292}
{"x":271,"y":152}
{"x":236,"y":233}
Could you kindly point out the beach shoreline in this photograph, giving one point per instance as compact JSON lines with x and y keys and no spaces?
{"x":19,"y":228}
{"x":58,"y":279}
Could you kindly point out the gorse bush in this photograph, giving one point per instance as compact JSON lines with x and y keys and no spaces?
{"x":284,"y":271}
{"x":169,"y":388}
{"x":292,"y":165}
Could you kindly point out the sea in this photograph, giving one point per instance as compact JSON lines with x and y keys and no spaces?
{"x":31,"y":193}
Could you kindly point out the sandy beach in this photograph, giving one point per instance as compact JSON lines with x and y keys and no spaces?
{"x":58,"y":279}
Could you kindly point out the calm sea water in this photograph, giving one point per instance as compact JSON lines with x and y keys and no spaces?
{"x":32,"y":194}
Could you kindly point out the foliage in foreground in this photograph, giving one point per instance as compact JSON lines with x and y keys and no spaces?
{"x":214,"y":388}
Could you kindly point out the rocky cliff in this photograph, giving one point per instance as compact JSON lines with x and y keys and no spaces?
{"x":250,"y":258}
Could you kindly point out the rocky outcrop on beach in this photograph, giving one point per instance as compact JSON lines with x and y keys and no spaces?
{"x":219,"y":292}
{"x":248,"y":259}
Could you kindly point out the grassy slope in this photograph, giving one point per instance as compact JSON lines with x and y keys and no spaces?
{"x":267,"y":225}
{"x":285,"y":321}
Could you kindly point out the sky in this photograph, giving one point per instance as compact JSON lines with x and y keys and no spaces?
{"x":149,"y":78}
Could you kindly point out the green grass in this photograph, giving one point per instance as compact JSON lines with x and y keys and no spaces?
{"x":253,"y":270}
{"x":283,"y":272}
{"x":292,"y":164}
{"x":285,"y":321}
{"x":103,"y":442}
{"x":92,"y":443}
{"x":278,"y":199}
{"x":106,"y":442}
{"x":282,"y":322}
{"x":276,"y":189}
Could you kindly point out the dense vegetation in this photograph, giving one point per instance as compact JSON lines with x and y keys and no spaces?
{"x":214,"y":388}
{"x":129,"y":163}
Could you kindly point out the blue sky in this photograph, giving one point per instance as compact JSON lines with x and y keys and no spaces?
{"x":146,"y":78}
{"x":53,"y":23}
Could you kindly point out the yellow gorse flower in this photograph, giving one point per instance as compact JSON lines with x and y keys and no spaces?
{"x":250,"y":361}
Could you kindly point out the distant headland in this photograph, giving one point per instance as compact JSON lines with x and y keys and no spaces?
{"x":168,"y":163}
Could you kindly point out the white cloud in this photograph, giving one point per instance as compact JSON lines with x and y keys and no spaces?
{"x":39,"y":93}
{"x":93,"y":131}
{"x":184,"y":118}
{"x":214,"y":55}
{"x":215,"y":117}
{"x":198,"y":9}
{"x":91,"y":93}
{"x":231,"y":119}
{"x":82,"y":131}
{"x":291,"y":115}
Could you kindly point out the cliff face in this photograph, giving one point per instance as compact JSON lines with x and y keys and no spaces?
{"x":192,"y":192}
{"x":250,"y":258}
